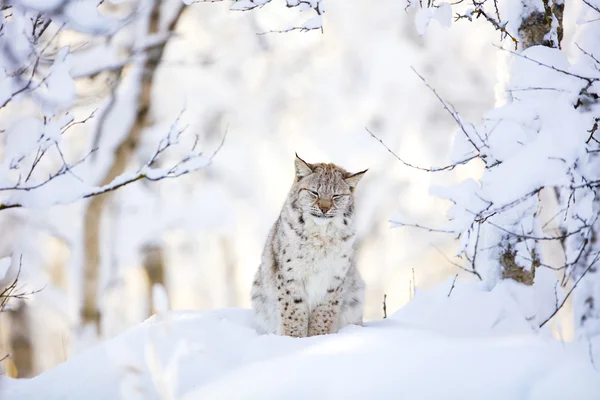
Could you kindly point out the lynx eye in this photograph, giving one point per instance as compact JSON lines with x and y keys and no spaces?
{"x":312,"y":192}
{"x":338,"y":196}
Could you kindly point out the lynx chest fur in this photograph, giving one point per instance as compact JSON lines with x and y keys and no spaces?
{"x":307,"y":283}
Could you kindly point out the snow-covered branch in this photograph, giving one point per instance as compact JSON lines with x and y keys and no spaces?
{"x":193,"y":161}
{"x":540,"y":143}
{"x":315,"y":22}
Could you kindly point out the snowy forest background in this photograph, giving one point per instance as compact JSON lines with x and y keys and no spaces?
{"x":150,"y":143}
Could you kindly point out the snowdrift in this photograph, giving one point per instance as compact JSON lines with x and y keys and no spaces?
{"x":471,"y":345}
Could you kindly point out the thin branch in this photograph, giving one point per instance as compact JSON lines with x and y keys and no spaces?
{"x":144,"y":173}
{"x":593,"y":7}
{"x":528,"y":89}
{"x":12,"y":291}
{"x":474,"y":272}
{"x":451,"y":110}
{"x":590,"y":55}
{"x":428,"y":229}
{"x":431,"y":169}
{"x":65,"y":168}
{"x":475,"y":251}
{"x":588,"y":79}
{"x":482,"y":217}
{"x":497,"y":24}
{"x":538,"y":238}
{"x":571,"y":291}
{"x":452,"y":287}
{"x":592,"y":131}
{"x":292,"y":29}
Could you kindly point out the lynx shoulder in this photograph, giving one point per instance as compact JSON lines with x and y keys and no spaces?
{"x":307,"y":283}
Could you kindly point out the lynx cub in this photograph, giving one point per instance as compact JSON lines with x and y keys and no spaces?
{"x":307,"y":283}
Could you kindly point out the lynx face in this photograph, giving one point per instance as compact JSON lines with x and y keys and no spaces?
{"x":324,"y":191}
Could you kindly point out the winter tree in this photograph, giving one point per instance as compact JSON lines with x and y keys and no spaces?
{"x":539,"y":177}
{"x":72,"y":64}
{"x":44,"y":163}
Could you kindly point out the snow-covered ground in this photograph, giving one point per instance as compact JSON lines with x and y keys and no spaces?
{"x":470,"y":345}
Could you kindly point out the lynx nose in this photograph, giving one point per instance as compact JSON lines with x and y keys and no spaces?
{"x":324,"y":206}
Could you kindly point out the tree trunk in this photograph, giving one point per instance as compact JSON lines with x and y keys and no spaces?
{"x":541,"y":25}
{"x":20,"y":341}
{"x":154,"y":265}
{"x":90,"y":314}
{"x":231,"y":273}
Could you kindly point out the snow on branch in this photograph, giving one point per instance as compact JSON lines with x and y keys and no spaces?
{"x":568,"y":294}
{"x":496,"y":22}
{"x":75,"y":189}
{"x":449,"y":167}
{"x":526,"y":23}
{"x":313,"y":23}
{"x":35,"y":170}
{"x":539,"y":150}
{"x":497,"y":218}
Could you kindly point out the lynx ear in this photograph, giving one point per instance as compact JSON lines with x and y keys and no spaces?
{"x":353,"y":179}
{"x":302,"y":168}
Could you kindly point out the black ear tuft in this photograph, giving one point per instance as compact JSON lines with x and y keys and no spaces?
{"x":353,"y":179}
{"x":302,"y":167}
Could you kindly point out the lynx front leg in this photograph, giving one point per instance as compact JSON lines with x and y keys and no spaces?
{"x":324,"y":318}
{"x":293,"y":310}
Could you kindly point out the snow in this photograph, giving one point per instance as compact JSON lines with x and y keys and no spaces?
{"x":315,"y":22}
{"x":95,"y":60}
{"x":60,"y":85}
{"x":41,"y":5}
{"x":471,"y":344}
{"x":160,"y":299}
{"x":442,"y":14}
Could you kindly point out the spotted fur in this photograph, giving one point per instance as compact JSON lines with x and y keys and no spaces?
{"x":307,"y":283}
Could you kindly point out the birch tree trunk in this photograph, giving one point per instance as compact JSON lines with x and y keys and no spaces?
{"x":154,"y":265}
{"x":20,"y":341}
{"x":90,"y":313}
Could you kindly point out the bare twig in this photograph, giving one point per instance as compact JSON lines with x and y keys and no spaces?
{"x":452,"y":287}
{"x":593,"y":7}
{"x":592,"y":131}
{"x":292,"y":29}
{"x":452,"y":111}
{"x":497,"y":24}
{"x":588,"y":79}
{"x":398,"y":223}
{"x":571,"y":290}
{"x":457,"y":265}
{"x":12,"y":291}
{"x":431,"y":169}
